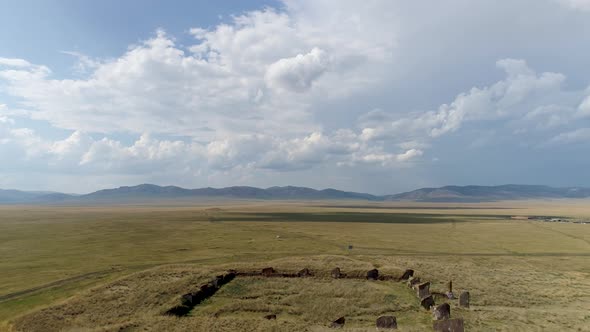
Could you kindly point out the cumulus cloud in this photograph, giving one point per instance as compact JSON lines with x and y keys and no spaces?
{"x":297,"y":73}
{"x":523,"y":97}
{"x":312,"y":84}
{"x":220,"y":82}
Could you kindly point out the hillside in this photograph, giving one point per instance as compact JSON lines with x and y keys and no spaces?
{"x":150,"y":192}
{"x":489,"y":193}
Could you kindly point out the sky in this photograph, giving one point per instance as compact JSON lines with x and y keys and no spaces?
{"x":377,"y":96}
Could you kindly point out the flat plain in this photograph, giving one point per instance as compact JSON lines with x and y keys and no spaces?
{"x":523,"y":275}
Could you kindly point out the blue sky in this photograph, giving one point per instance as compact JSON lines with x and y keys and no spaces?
{"x":378,"y":96}
{"x":39,"y":30}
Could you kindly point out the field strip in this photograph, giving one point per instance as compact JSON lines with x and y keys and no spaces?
{"x":56,"y":283}
{"x":400,"y":252}
{"x":563,"y":233}
{"x":530,"y":309}
{"x":101,"y":273}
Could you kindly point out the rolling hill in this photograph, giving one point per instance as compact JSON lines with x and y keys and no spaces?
{"x":489,"y":193}
{"x":149,"y":192}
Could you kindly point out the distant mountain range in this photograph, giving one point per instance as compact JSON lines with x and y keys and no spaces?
{"x":150,"y":192}
{"x":489,"y":193}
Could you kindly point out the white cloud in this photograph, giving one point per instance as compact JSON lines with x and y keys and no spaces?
{"x":508,"y":99}
{"x":584,"y":108}
{"x":85,"y":63}
{"x":14,"y":62}
{"x":297,"y":73}
{"x":288,"y":90}
{"x":410,"y":154}
{"x":575,"y":136}
{"x":160,"y":87}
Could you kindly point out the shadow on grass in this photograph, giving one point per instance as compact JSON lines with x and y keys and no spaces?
{"x":357,"y":217}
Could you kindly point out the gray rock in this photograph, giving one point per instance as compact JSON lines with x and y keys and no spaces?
{"x":413,"y":282}
{"x":387,"y":322}
{"x":464,"y":299}
{"x":336,"y":273}
{"x":304,"y":273}
{"x":441,"y":311}
{"x":449,"y":325}
{"x":268,"y":271}
{"x":423,"y":290}
{"x":373,"y":274}
{"x":338,"y":324}
{"x":407,"y":274}
{"x":427,"y":302}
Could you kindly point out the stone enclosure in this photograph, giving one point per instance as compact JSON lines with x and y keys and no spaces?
{"x":441,"y":314}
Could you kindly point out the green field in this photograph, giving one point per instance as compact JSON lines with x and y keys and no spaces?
{"x":523,"y":274}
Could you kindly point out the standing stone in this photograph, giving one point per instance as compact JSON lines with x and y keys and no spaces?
{"x":387,"y":322}
{"x":464,"y":299}
{"x":373,"y":274}
{"x":407,"y":274}
{"x":442,"y":311}
{"x":338,"y":324}
{"x":427,"y":302}
{"x":450,"y":294}
{"x":413,"y":282}
{"x":336,"y":273}
{"x":187,"y":299}
{"x":268,"y":271}
{"x":423,"y":290}
{"x":448,"y":325}
{"x":304,"y":273}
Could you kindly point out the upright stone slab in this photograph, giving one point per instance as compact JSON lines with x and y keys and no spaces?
{"x":373,"y":274}
{"x":442,"y":311}
{"x":407,"y":274}
{"x":427,"y":302}
{"x":413,"y":282}
{"x":336,"y":274}
{"x":450,"y":295}
{"x":448,"y":325}
{"x":338,"y":324}
{"x":187,"y":299}
{"x":464,"y":299}
{"x":268,"y":271}
{"x":304,"y":273}
{"x":386,"y":322}
{"x":423,"y":290}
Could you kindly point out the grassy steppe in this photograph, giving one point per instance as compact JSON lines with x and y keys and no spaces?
{"x":521,"y":273}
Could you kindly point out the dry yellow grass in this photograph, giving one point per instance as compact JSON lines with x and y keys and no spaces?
{"x":507,"y":298}
{"x":523,"y":275}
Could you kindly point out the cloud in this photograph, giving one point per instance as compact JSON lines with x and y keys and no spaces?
{"x":349,"y":89}
{"x":219,"y":82}
{"x":14,"y":62}
{"x":581,"y":135}
{"x":85,"y":63}
{"x":297,"y":73}
{"x":584,"y":108}
{"x":520,"y":97}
